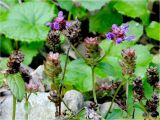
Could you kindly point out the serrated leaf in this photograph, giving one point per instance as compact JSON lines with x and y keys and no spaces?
{"x":92,"y":5}
{"x":104,"y":69}
{"x":26,"y":22}
{"x":78,"y":74}
{"x":16,"y":85}
{"x":133,"y":9}
{"x":153,"y":30}
{"x":103,"y":20}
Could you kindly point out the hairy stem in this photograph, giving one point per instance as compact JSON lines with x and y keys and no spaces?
{"x":115,"y":94}
{"x":94,"y":84}
{"x":14,"y":108}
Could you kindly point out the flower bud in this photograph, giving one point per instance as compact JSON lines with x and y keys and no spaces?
{"x":92,"y":48}
{"x":152,"y":75}
{"x":138,"y":88}
{"x":31,"y":86}
{"x":53,"y":40}
{"x":14,"y":62}
{"x":52,"y":67}
{"x":128,"y":62}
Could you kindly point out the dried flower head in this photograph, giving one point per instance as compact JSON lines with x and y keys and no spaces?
{"x":118,"y":34}
{"x":72,"y":32}
{"x":152,"y":75}
{"x":152,"y":105}
{"x":53,"y":40}
{"x":138,"y":88}
{"x":128,"y":61}
{"x":90,"y":114}
{"x":92,"y":47}
{"x":14,"y":62}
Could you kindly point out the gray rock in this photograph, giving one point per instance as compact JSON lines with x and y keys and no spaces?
{"x":74,"y":100}
{"x":104,"y":108}
{"x":37,"y":77}
{"x":41,"y":108}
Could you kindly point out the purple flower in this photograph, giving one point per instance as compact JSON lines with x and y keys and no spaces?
{"x":119,"y":40}
{"x":110,"y":36}
{"x":55,"y":25}
{"x":129,"y":38}
{"x":118,"y":33}
{"x":68,"y":24}
{"x":60,"y":17}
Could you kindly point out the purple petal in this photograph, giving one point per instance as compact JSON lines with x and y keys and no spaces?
{"x":48,"y":23}
{"x":110,"y":36}
{"x":129,"y":38}
{"x":56,"y":25}
{"x":119,"y":40}
{"x":124,"y":28}
{"x":68,"y":24}
{"x":60,"y":14}
{"x":114,"y":26}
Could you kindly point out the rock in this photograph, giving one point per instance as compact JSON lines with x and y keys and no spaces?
{"x":104,"y":108}
{"x":37,"y":77}
{"x":74,"y":100}
{"x":41,"y":108}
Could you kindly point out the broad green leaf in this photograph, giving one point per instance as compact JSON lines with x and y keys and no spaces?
{"x":114,"y":61}
{"x":66,"y":4}
{"x":135,"y":29}
{"x":16,"y":85}
{"x":78,"y":74}
{"x":133,"y":9}
{"x":6,"y":46}
{"x":104,"y":69}
{"x":143,"y":55}
{"x":92,"y":5}
{"x":115,"y":114}
{"x":148,"y":89}
{"x":156,"y":59}
{"x":27,"y":22}
{"x":153,"y":30}
{"x":30,"y":50}
{"x":143,"y":59}
{"x":103,"y":20}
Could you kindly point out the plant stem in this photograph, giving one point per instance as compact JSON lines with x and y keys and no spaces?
{"x":4,"y":5}
{"x":114,"y":98}
{"x":94,"y":84}
{"x":69,"y":16}
{"x":14,"y":108}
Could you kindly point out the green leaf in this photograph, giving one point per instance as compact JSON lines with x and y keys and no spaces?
{"x":26,"y":22}
{"x":78,"y":74}
{"x":92,"y":5}
{"x":6,"y":46}
{"x":103,"y":20}
{"x":115,"y":114}
{"x":104,"y":69}
{"x":156,"y":59}
{"x":153,"y":30}
{"x":133,"y":9}
{"x":143,"y":55}
{"x":66,"y":4}
{"x":148,"y":90}
{"x":114,"y":61}
{"x":16,"y":85}
{"x":30,"y":50}
{"x":135,"y":29}
{"x":27,"y":106}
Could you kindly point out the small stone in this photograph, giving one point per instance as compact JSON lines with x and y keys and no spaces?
{"x":74,"y":100}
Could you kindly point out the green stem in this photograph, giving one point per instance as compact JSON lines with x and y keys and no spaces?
{"x":14,"y":108}
{"x":94,"y":85}
{"x":69,"y":16}
{"x":114,"y":98}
